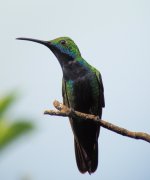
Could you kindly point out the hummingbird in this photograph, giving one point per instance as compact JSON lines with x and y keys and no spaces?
{"x":82,"y":90}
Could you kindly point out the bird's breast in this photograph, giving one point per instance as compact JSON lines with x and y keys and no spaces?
{"x":80,"y":93}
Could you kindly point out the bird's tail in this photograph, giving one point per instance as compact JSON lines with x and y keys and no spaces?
{"x":86,"y":161}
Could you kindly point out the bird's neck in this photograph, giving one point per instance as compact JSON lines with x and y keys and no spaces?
{"x":74,"y":69}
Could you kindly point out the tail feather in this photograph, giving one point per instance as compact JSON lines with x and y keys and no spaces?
{"x":80,"y":157}
{"x":86,"y":162}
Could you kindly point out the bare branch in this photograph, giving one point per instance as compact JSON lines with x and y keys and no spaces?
{"x":67,"y":112}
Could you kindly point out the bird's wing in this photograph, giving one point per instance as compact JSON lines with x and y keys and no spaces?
{"x":101,"y":87}
{"x":64,"y":93}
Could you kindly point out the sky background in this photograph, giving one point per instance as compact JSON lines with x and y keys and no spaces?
{"x":113,"y":36}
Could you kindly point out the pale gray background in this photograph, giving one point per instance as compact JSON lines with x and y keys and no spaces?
{"x":113,"y":36}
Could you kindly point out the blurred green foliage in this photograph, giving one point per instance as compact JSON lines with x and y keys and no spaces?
{"x":10,"y":131}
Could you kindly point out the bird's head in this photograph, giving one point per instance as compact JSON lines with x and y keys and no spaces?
{"x":64,"y":48}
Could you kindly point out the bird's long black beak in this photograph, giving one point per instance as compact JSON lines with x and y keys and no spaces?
{"x":46,"y":43}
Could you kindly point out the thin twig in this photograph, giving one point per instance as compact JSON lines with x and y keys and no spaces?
{"x":67,"y":112}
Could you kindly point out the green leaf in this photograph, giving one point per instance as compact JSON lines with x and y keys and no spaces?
{"x":11,"y":131}
{"x":5,"y":103}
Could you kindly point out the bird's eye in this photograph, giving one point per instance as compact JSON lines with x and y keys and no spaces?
{"x":63,"y":42}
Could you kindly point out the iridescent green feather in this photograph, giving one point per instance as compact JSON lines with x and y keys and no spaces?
{"x":69,"y":48}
